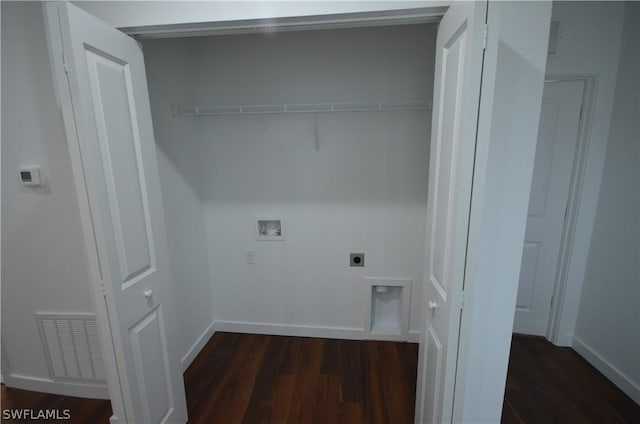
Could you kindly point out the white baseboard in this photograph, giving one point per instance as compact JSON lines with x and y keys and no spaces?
{"x":345,"y":333}
{"x":65,"y":388}
{"x":291,"y":330}
{"x":563,"y":341}
{"x":623,"y":382}
{"x":193,"y":351}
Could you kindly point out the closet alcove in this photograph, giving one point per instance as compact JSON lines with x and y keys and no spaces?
{"x":327,"y":130}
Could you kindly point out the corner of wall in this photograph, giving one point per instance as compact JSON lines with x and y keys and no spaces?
{"x":619,"y":378}
{"x":198,"y":345}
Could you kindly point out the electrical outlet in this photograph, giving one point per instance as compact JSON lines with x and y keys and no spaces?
{"x":356,"y":259}
{"x":250,"y":257}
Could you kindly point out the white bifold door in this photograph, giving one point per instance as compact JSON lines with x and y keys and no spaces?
{"x":459,"y":60}
{"x":103,"y":90}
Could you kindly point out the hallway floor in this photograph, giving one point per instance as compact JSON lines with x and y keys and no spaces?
{"x":244,"y":378}
{"x":547,"y":384}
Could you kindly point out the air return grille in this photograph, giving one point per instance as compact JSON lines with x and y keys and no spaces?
{"x":71,"y":345}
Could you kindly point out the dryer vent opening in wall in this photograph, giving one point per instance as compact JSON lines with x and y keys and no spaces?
{"x":71,"y":346}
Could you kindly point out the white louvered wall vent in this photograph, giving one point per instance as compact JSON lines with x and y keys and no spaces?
{"x":71,"y":345}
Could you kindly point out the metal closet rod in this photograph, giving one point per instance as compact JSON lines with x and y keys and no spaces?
{"x":179,"y":111}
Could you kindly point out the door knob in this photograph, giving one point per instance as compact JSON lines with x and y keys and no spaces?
{"x":432,"y":305}
{"x":148,"y":293}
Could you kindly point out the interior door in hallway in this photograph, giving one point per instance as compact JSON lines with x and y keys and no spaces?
{"x":557,"y":139}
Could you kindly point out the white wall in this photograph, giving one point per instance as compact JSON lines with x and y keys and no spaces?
{"x":589,"y":44}
{"x":364,"y":190}
{"x":144,"y":13}
{"x":607,"y":328}
{"x":181,"y":183}
{"x":44,"y":267}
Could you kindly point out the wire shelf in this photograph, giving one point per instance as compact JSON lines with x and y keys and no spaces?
{"x":183,"y":111}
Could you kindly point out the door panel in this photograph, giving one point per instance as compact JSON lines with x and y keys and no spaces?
{"x":121,"y":164}
{"x":459,"y":55}
{"x":557,"y":137}
{"x":149,"y":352}
{"x":444,"y":175}
{"x":105,"y":84}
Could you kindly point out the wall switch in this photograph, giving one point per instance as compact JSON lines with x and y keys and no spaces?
{"x":250,"y":256}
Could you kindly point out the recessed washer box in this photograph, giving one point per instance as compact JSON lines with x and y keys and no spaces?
{"x":388,"y":303}
{"x":270,"y":229}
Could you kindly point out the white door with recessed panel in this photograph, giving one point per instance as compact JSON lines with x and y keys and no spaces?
{"x":557,"y":138}
{"x":459,"y":53}
{"x":108,"y":116}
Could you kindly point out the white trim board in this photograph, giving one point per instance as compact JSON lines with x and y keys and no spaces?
{"x":623,"y":382}
{"x":413,"y":336}
{"x":65,"y":388}
{"x":566,"y":292}
{"x":344,"y":333}
{"x":349,"y":333}
{"x":198,"y":345}
{"x":290,"y":23}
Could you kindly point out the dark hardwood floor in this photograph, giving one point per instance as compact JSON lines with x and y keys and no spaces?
{"x":550,"y":384}
{"x":81,"y":410}
{"x":255,"y":379}
{"x":244,"y":378}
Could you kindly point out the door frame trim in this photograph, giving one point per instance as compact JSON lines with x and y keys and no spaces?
{"x":564,"y":308}
{"x":429,"y":14}
{"x":91,"y":233}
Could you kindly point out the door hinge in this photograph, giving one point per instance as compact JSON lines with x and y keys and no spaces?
{"x":64,"y":64}
{"x":581,"y":109}
{"x":485,"y":34}
{"x":104,"y":292}
{"x":462,"y":301}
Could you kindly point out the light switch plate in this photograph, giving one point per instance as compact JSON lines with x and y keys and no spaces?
{"x":250,"y":257}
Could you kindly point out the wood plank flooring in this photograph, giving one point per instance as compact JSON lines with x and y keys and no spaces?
{"x":550,"y":384}
{"x":243,"y":378}
{"x":81,"y":410}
